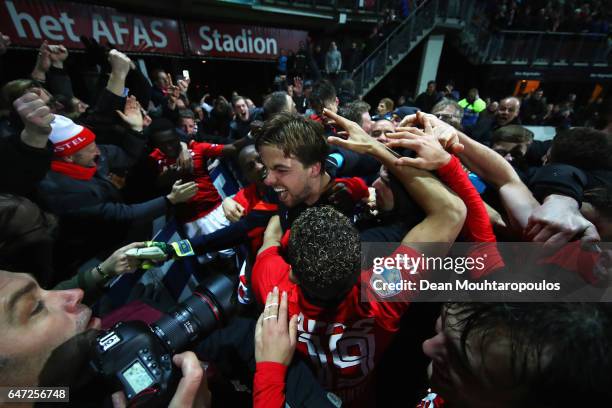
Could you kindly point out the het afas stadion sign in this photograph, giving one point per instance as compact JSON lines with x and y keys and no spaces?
{"x":29,"y":22}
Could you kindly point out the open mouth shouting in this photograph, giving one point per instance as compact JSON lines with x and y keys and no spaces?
{"x":282,"y":193}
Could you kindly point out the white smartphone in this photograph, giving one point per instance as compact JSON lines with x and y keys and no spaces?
{"x":186,"y":74}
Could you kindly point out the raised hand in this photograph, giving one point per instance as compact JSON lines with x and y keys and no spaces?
{"x":36,"y":117}
{"x":58,"y":54}
{"x":132,"y":114}
{"x":446,"y":134}
{"x":424,"y":142}
{"x":358,"y":140}
{"x":120,"y":63}
{"x":183,"y":85}
{"x":43,"y":62}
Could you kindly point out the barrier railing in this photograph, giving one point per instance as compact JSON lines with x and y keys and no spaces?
{"x":479,"y":42}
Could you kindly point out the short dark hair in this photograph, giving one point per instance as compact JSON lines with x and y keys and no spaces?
{"x":324,"y":253}
{"x":582,"y":147}
{"x":275,"y":103}
{"x":560,"y":352}
{"x":354,"y":111}
{"x":16,"y":89}
{"x":295,"y":135}
{"x":236,"y":99}
{"x":348,"y":86}
{"x":388,"y":102}
{"x":431,"y":82}
{"x":323,"y":92}
{"x":155,"y":73}
{"x":512,"y":134}
{"x":186,"y":114}
{"x":158,"y":126}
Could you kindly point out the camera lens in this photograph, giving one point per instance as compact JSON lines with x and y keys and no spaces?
{"x":207,"y":308}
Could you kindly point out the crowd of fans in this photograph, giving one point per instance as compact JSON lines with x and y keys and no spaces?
{"x":552,"y":15}
{"x":320,"y":172}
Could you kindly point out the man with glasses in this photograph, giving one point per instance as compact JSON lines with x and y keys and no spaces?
{"x":449,"y":111}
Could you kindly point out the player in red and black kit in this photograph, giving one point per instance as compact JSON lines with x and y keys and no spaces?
{"x":340,"y":335}
{"x":202,"y":213}
{"x":294,"y":151}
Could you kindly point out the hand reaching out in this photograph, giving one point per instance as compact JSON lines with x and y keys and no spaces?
{"x":119,"y":263}
{"x":182,"y":192}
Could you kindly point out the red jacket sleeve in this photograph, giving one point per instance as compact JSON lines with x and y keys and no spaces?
{"x":247,"y":197}
{"x":270,"y":270}
{"x":477,"y":227}
{"x":269,"y":385}
{"x":207,"y":149}
{"x":356,"y":186}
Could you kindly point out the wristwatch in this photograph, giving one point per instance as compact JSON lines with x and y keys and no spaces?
{"x":106,"y":276}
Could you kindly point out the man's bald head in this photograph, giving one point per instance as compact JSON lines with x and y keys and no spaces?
{"x":507,"y":111}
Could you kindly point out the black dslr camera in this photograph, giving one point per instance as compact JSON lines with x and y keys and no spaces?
{"x":137,"y":358}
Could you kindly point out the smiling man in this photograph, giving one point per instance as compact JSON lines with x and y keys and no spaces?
{"x":294,"y":151}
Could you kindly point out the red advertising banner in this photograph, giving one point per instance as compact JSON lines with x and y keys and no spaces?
{"x":240,"y":41}
{"x":29,"y":22}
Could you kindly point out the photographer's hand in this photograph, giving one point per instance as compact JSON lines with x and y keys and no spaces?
{"x":192,"y":390}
